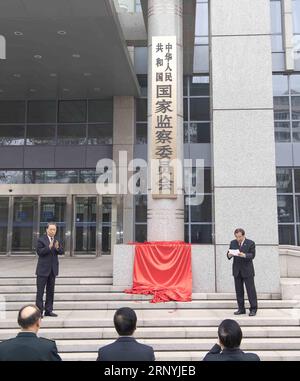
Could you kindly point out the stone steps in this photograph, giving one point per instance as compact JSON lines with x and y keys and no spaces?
{"x":191,"y":356}
{"x":137,"y":303}
{"x":158,"y":332}
{"x":177,"y":331}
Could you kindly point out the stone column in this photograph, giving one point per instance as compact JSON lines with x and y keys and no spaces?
{"x":166,"y":216}
{"x":123,"y":140}
{"x":243,"y":137}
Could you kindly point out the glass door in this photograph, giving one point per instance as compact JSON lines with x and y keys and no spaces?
{"x":24,"y":228}
{"x":54,"y":209}
{"x":4,"y":207}
{"x":85,"y":222}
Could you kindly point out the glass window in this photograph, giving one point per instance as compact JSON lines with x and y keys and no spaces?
{"x":53,"y":209}
{"x":296,"y":15}
{"x":41,"y":112}
{"x":52,"y":177}
{"x":101,"y":110}
{"x":280,"y":85}
{"x":141,"y":232}
{"x":100,"y":134}
{"x":201,"y":59}
{"x":295,"y":84}
{"x":276,"y":17}
{"x":39,"y":135}
{"x":11,"y":177}
{"x":285,"y":209}
{"x":297,"y":180}
{"x":199,"y":109}
{"x":185,"y":86}
{"x":284,"y":180}
{"x":199,"y":85}
{"x":296,"y":132}
{"x":88,"y":176}
{"x":201,"y":233}
{"x":12,"y":135}
{"x":203,"y":212}
{"x":201,"y":19}
{"x":141,"y":208}
{"x":71,"y":134}
{"x":141,"y":133}
{"x":298,"y":235}
{"x":206,"y":187}
{"x":297,"y":208}
{"x":282,"y":131}
{"x":72,"y":112}
{"x":286,"y":234}
{"x":185,"y":109}
{"x":12,"y":111}
{"x":277,"y":43}
{"x":199,"y":132}
{"x":141,"y":110}
{"x":296,"y":108}
{"x":281,"y":108}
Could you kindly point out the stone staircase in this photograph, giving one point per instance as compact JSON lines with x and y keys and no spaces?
{"x":177,"y":331}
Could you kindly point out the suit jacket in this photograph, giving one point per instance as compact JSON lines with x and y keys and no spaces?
{"x":216,"y":354}
{"x":243,"y":266}
{"x":48,"y":259}
{"x":26,"y":346}
{"x":126,"y":349}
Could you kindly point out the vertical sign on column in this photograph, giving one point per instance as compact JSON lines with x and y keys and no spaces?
{"x":164,"y":116}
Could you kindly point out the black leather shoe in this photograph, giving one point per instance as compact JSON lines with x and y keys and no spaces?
{"x":240,"y":312}
{"x":252,"y":313}
{"x":52,"y":314}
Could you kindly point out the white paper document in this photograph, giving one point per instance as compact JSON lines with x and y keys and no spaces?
{"x":234,"y":252}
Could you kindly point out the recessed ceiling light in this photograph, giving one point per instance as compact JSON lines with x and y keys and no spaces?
{"x":32,"y":90}
{"x":97,"y":88}
{"x":61,"y":32}
{"x":76,"y":55}
{"x":53,"y":75}
{"x":16,"y":75}
{"x":87,"y":74}
{"x":18,"y":33}
{"x":66,"y":89}
{"x":37,"y":56}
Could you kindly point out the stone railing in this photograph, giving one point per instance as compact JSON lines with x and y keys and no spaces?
{"x":289,"y":257}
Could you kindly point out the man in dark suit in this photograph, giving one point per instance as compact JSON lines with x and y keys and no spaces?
{"x":126,"y":348}
{"x":243,"y":271}
{"x":228,"y":349}
{"x":27,"y":346}
{"x":48,"y":249}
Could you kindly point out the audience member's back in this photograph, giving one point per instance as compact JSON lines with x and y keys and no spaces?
{"x":125,"y":348}
{"x":228,"y":349}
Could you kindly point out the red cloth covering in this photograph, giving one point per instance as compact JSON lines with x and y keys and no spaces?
{"x":163,"y":269}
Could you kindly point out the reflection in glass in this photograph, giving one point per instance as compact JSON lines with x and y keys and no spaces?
{"x":297,"y":180}
{"x":53,"y":209}
{"x":41,"y":112}
{"x":24,"y":216}
{"x":11,"y":177}
{"x":280,"y":85}
{"x":199,"y":109}
{"x":100,"y":110}
{"x":282,"y":131}
{"x":281,"y":108}
{"x":100,"y":134}
{"x":201,"y":234}
{"x":3,"y":223}
{"x":284,"y":180}
{"x":141,"y":133}
{"x":295,"y":84}
{"x":71,"y":134}
{"x":296,"y":108}
{"x":199,"y":86}
{"x":12,"y":135}
{"x":72,"y":112}
{"x":40,"y":135}
{"x":286,"y":234}
{"x":296,"y":132}
{"x":141,"y":208}
{"x":85,"y":224}
{"x":285,"y":209}
{"x":12,"y":111}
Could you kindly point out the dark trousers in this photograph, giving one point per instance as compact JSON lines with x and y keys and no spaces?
{"x":251,"y":291}
{"x":49,"y":283}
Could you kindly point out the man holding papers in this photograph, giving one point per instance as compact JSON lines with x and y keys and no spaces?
{"x":242,"y":250}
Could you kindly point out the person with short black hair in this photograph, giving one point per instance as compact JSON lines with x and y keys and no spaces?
{"x":27,"y":346}
{"x":48,"y":249}
{"x":228,"y":349}
{"x":125,"y":348}
{"x":243,"y":271}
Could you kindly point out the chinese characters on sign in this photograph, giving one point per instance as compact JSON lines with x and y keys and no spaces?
{"x":164,"y":116}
